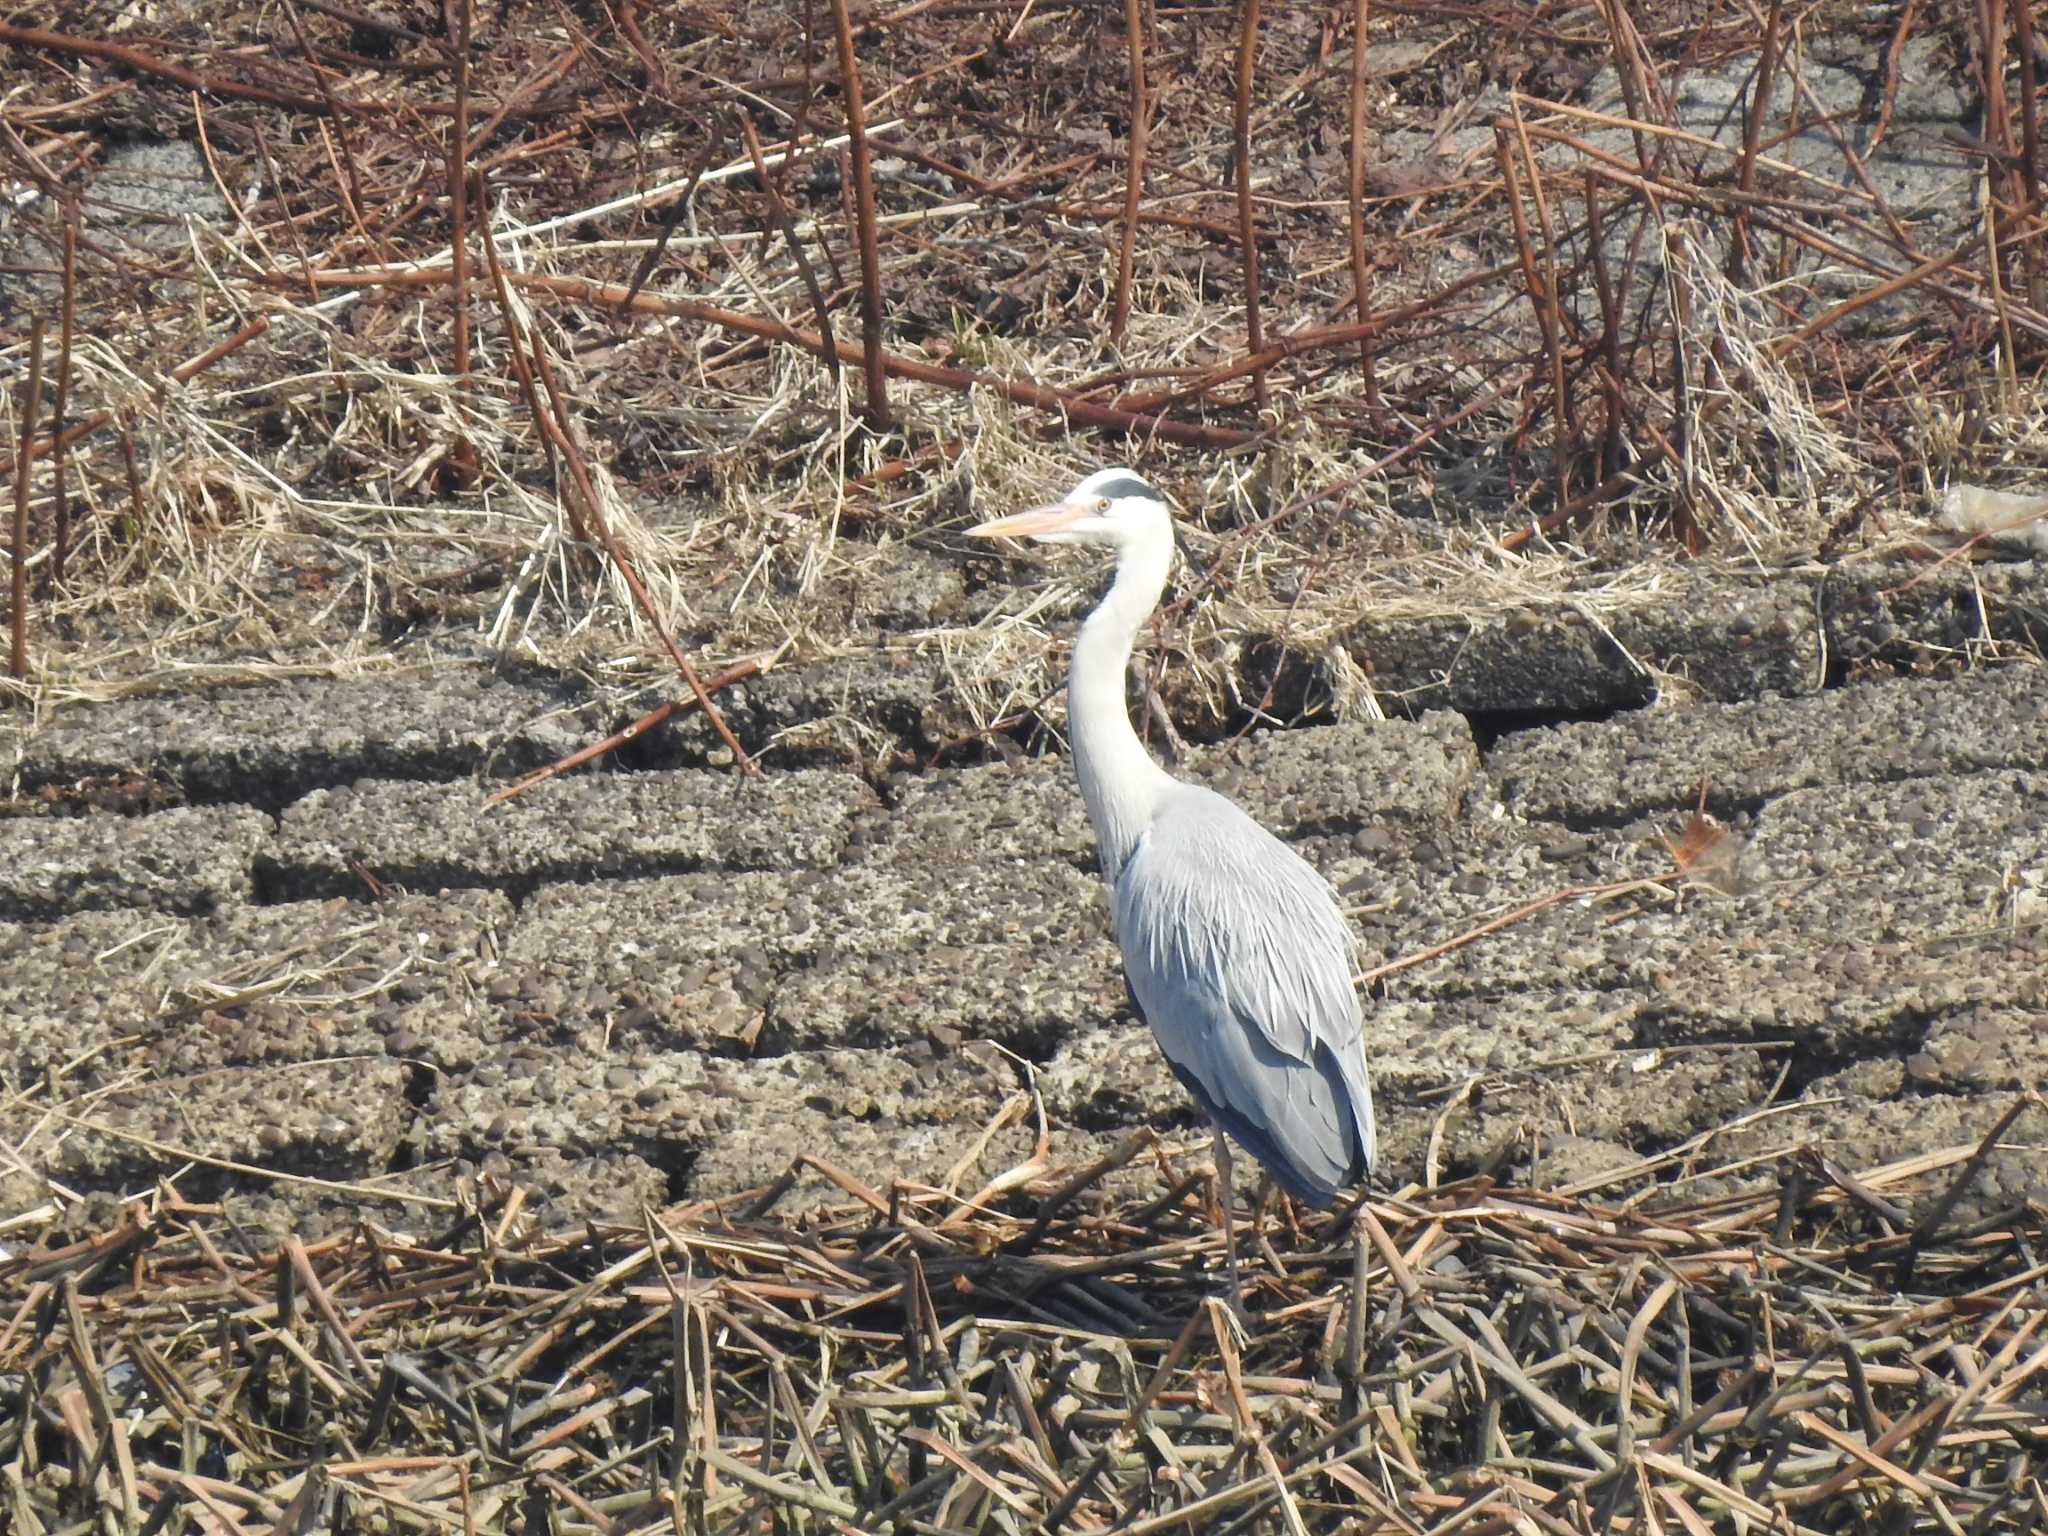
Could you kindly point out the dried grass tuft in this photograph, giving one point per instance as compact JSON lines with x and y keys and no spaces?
{"x":298,"y":502}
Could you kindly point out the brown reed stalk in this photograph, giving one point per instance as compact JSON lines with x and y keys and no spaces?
{"x":1752,"y":134}
{"x":1638,"y":85}
{"x":1247,"y":229}
{"x":653,"y":76}
{"x":458,"y":185}
{"x":2001,"y":183}
{"x":1565,"y":446}
{"x":1995,"y":280}
{"x":463,"y":458}
{"x":1610,"y":329}
{"x":1678,"y":249}
{"x":1134,"y":170}
{"x":872,"y":340}
{"x":558,"y":422}
{"x":632,"y":731}
{"x":131,"y":473}
{"x":2030,"y":149}
{"x":1991,"y":82}
{"x":522,"y":370}
{"x":24,"y":467}
{"x":778,"y":210}
{"x":1361,"y":271}
{"x":60,"y":495}
{"x":349,"y":183}
{"x":1539,"y":302}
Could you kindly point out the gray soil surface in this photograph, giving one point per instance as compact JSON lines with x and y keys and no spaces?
{"x":271,"y":940}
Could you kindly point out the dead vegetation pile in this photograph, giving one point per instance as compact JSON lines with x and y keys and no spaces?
{"x":326,"y":324}
{"x":1479,"y":1361}
{"x":358,"y":320}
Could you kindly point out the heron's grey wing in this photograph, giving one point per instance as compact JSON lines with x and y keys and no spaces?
{"x":1238,"y":958}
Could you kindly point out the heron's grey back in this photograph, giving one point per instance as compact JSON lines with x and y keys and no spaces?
{"x":1240,"y":961}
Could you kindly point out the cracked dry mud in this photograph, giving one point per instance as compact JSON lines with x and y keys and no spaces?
{"x":642,"y":986}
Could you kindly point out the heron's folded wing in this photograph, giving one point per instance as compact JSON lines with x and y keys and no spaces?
{"x":1240,"y":961}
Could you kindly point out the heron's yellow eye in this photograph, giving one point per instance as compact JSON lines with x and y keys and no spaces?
{"x":1102,"y":503}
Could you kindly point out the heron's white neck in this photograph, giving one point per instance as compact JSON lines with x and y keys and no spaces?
{"x":1119,"y":781}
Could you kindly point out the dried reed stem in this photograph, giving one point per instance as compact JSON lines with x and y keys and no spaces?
{"x":147,"y":63}
{"x":1361,"y":270}
{"x":1134,"y":170}
{"x":779,"y":212}
{"x":558,"y":421}
{"x":2030,"y":149}
{"x":872,"y":340}
{"x":1610,"y":330}
{"x":60,"y":494}
{"x":348,"y":180}
{"x":2000,"y":186}
{"x":463,"y":458}
{"x":1247,"y":227}
{"x":24,"y":463}
{"x":1752,"y":134}
{"x":515,"y":343}
{"x":630,"y":732}
{"x":1638,"y":88}
{"x":1565,"y":443}
{"x":1540,"y":302}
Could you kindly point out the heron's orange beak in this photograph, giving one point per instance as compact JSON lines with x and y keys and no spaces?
{"x":1035,"y":523}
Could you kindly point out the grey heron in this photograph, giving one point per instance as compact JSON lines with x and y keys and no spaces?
{"x":1234,"y":950}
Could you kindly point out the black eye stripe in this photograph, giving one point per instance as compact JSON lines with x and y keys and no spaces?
{"x":1125,"y":485}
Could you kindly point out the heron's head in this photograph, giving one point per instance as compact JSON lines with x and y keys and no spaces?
{"x":1112,"y":506}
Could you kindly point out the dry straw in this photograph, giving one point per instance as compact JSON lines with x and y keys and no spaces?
{"x":295,"y":427}
{"x":284,"y":450}
{"x":1481,"y":1360}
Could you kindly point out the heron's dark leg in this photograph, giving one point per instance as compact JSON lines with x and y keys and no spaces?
{"x":1226,"y":1198}
{"x":1261,"y":1198}
{"x":1262,"y":1201}
{"x":1355,"y":1317}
